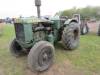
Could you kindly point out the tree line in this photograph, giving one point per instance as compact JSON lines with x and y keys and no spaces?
{"x":88,"y":12}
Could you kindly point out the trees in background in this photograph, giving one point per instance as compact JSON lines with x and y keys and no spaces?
{"x":88,"y":12}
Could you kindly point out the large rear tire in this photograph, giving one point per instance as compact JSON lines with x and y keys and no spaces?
{"x":41,"y":56}
{"x":70,"y":36}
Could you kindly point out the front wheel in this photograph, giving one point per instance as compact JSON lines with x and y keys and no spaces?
{"x":41,"y":56}
{"x":70,"y":36}
{"x":16,"y":49}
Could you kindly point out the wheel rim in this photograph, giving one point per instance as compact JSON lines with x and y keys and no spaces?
{"x":45,"y":57}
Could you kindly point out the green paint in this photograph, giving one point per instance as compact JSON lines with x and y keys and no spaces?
{"x":32,"y":37}
{"x":51,"y":38}
{"x":30,"y":20}
{"x":28,"y":32}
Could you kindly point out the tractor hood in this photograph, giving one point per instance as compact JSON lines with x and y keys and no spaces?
{"x":31,"y":20}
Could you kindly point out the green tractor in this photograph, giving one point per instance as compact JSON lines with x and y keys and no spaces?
{"x":37,"y":37}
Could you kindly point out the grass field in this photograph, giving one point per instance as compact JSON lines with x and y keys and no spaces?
{"x":83,"y":61}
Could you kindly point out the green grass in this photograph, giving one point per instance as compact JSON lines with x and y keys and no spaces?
{"x":86,"y":57}
{"x":8,"y":64}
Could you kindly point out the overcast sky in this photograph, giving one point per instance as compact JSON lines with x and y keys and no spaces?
{"x":13,"y":8}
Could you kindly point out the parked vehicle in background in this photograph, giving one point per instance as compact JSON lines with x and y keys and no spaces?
{"x":9,"y":20}
{"x":1,"y":28}
{"x":84,"y":29}
{"x":98,"y":30}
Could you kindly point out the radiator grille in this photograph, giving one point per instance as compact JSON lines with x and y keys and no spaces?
{"x":19,"y":31}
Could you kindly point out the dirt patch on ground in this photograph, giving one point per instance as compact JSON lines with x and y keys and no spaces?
{"x":1,"y":72}
{"x":65,"y":68}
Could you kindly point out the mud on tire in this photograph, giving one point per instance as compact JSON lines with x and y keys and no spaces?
{"x":70,"y":36}
{"x":41,"y":56}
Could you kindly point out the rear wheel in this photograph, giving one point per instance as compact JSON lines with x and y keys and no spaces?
{"x":70,"y":36}
{"x":41,"y":56}
{"x":16,"y":49}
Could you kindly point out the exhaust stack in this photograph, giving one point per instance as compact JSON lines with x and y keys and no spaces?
{"x":38,"y":4}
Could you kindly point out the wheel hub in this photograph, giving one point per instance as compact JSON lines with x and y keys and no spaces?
{"x":45,"y":57}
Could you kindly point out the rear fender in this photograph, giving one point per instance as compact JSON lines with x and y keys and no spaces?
{"x":69,"y":21}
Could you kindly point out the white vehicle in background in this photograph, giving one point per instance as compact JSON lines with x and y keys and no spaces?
{"x":83,"y":24}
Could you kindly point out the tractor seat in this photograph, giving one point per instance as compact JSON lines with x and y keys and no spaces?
{"x":63,"y":19}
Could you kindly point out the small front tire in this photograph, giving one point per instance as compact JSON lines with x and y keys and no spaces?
{"x":41,"y":56}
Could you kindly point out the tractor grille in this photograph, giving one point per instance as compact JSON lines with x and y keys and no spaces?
{"x":19,"y":30}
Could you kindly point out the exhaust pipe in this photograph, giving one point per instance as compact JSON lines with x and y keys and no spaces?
{"x":38,"y":4}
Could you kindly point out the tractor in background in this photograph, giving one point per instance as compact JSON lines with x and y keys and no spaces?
{"x":84,"y":29}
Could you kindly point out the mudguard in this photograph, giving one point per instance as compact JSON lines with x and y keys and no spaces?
{"x":69,"y":21}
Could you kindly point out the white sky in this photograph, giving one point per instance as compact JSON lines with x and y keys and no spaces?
{"x":12,"y":8}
